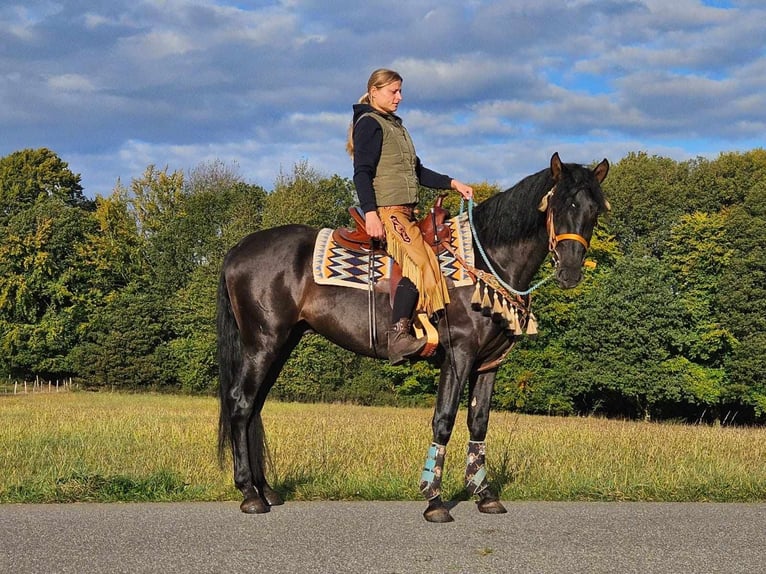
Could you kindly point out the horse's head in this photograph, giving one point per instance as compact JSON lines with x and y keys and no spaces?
{"x":572,"y":207}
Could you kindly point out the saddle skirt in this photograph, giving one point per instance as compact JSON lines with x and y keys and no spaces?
{"x":335,"y":264}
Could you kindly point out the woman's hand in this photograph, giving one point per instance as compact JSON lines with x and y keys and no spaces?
{"x":465,"y":190}
{"x":374,"y":226}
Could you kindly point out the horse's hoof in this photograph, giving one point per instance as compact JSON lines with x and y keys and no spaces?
{"x":439,"y":514}
{"x":491,"y":506}
{"x":254,"y":506}
{"x":272,"y":497}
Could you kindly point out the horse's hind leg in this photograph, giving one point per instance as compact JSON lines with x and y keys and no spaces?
{"x":263,"y":360}
{"x":257,"y":445}
{"x":245,"y":400}
{"x":241,"y":403}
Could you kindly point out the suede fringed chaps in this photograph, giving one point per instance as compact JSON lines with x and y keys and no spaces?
{"x":418,"y":261}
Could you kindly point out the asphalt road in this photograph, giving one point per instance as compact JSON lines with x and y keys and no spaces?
{"x":383,"y":537}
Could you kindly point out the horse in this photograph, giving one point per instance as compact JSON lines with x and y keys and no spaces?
{"x":267,"y":299}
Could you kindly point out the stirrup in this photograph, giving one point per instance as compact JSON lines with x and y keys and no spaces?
{"x":424,"y":328}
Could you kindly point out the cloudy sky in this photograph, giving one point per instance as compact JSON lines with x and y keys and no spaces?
{"x":491,"y":90}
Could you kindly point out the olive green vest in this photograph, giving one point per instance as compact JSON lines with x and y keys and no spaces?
{"x":395,"y":182}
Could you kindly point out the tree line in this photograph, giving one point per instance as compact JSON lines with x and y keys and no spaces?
{"x":118,"y":292}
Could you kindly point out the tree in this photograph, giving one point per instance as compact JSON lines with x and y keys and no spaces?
{"x":307,"y":197}
{"x":156,"y":201}
{"x":42,"y":284}
{"x":112,"y":251}
{"x":219,"y":210}
{"x":537,"y":377}
{"x":741,"y":300}
{"x":126,"y":343}
{"x":27,"y":175}
{"x":647,"y":194}
{"x":698,"y":251}
{"x":630,"y":340}
{"x":725,"y":181}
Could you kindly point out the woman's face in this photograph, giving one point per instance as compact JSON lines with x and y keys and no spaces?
{"x":386,"y":98}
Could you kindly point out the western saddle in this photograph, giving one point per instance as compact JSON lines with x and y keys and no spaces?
{"x":435,"y":232}
{"x":433,"y":227}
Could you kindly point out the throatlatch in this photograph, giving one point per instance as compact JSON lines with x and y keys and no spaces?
{"x":475,"y":470}
{"x":431,"y":478}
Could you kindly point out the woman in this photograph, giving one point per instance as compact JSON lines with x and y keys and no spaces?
{"x":387,"y":173}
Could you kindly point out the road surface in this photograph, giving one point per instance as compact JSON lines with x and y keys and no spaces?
{"x":383,"y":537}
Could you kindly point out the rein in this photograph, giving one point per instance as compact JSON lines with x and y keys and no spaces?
{"x":484,"y":257}
{"x":553,"y":240}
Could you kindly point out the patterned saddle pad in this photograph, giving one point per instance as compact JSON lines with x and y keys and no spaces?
{"x":336,"y":265}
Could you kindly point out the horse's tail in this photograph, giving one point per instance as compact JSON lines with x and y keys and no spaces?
{"x":229,"y":354}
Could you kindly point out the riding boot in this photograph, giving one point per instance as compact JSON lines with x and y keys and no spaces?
{"x":401,"y":343}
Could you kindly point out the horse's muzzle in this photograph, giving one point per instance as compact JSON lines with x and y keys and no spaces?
{"x":569,"y":277}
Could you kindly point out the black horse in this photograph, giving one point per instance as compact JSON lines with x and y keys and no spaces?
{"x":267,"y":299}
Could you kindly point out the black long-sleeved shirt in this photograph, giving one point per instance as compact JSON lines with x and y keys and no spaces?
{"x":368,"y":141}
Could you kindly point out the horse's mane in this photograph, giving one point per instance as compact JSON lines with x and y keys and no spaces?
{"x":513,"y":214}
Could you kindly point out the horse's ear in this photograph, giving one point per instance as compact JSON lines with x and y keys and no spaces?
{"x":556,"y":166}
{"x":601,"y":170}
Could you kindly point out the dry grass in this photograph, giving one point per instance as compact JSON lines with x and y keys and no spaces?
{"x":84,"y":446}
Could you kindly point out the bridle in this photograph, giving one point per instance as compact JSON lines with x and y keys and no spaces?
{"x":553,"y":237}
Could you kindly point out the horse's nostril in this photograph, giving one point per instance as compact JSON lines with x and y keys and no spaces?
{"x":569,"y":277}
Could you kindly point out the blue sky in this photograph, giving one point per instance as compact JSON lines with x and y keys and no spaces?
{"x":491,"y":89}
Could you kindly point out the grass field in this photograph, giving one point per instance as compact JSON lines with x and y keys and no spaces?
{"x":77,"y":446}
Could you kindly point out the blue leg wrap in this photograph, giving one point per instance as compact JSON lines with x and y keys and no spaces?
{"x":431,"y":478}
{"x":475,"y":469}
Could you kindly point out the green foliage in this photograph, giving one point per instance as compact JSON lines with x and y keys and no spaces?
{"x":308,"y":198}
{"x":698,"y":252}
{"x":727,"y":180}
{"x":452,"y":200}
{"x":647,"y":194}
{"x":126,"y":344}
{"x":120,"y":291}
{"x":535,"y":380}
{"x":42,"y":284}
{"x":741,"y":300}
{"x":626,"y":332}
{"x":414,"y":383}
{"x":315,"y":371}
{"x":29,"y":175}
{"x":111,"y":251}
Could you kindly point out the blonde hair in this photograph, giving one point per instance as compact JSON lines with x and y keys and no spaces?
{"x":379,"y":78}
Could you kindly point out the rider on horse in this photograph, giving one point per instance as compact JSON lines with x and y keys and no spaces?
{"x":387,"y":175}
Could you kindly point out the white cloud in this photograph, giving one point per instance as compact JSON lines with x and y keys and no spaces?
{"x":71,"y":83}
{"x":491,"y":89}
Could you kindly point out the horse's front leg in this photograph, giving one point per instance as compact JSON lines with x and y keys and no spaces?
{"x":451,"y":381}
{"x":476,"y":482}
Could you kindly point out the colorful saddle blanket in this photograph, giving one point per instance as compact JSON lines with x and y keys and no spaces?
{"x":336,"y":265}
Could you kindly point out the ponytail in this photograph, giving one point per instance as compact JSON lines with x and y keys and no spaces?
{"x":365,"y":99}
